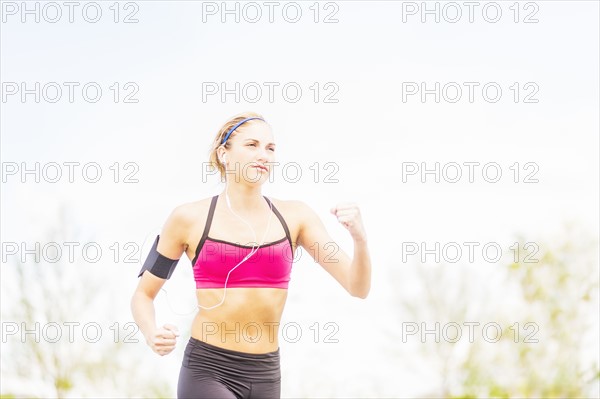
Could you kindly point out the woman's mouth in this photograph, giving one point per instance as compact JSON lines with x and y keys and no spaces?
{"x":261,"y":167}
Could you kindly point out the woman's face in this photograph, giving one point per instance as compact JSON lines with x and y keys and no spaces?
{"x":251,"y":153}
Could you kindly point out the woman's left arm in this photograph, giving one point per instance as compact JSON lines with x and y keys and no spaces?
{"x":353,"y":274}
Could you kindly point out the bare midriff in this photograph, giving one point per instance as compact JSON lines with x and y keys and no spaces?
{"x":247,"y":320}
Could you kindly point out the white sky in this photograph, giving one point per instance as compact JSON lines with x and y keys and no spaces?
{"x":369,"y":133}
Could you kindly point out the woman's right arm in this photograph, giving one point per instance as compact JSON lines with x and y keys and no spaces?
{"x":171,"y":244}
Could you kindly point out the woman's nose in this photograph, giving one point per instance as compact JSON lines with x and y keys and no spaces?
{"x":263,"y":154}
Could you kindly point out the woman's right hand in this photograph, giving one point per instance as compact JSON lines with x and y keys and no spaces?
{"x":163,"y":339}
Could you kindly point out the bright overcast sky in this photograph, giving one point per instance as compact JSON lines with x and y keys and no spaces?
{"x":501,"y":99}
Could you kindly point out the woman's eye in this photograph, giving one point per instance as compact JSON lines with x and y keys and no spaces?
{"x":254,"y":145}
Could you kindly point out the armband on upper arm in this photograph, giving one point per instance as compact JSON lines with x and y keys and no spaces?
{"x":158,"y":264}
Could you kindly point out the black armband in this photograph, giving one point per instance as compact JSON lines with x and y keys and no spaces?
{"x":158,"y":264}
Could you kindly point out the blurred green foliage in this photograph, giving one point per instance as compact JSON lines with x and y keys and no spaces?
{"x":44,"y":292}
{"x":546,"y":302}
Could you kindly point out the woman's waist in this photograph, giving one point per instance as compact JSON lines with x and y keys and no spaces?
{"x":209,"y":347}
{"x":232,"y":362}
{"x":244,"y":334}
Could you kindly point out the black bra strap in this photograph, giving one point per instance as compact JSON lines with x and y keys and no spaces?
{"x":283,"y":223}
{"x":211,"y":212}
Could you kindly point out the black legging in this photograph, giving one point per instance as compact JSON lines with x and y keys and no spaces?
{"x":208,"y":371}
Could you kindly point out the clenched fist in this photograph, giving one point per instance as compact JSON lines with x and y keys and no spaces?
{"x":162,"y":340}
{"x":348,"y":214}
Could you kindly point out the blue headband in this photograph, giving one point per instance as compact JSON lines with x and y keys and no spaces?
{"x":236,"y":126}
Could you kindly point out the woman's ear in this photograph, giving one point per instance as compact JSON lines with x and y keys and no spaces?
{"x":220,"y":154}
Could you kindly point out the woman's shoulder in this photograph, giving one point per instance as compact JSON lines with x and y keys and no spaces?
{"x":290,"y":207}
{"x":188,"y":212}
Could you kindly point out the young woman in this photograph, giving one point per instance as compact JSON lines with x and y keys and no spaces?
{"x":233,"y":351}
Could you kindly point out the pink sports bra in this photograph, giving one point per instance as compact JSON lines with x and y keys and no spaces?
{"x":270,"y":266}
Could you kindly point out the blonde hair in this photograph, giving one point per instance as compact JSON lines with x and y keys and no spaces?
{"x":213,"y":158}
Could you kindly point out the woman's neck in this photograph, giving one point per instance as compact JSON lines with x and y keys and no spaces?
{"x":244,"y":198}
